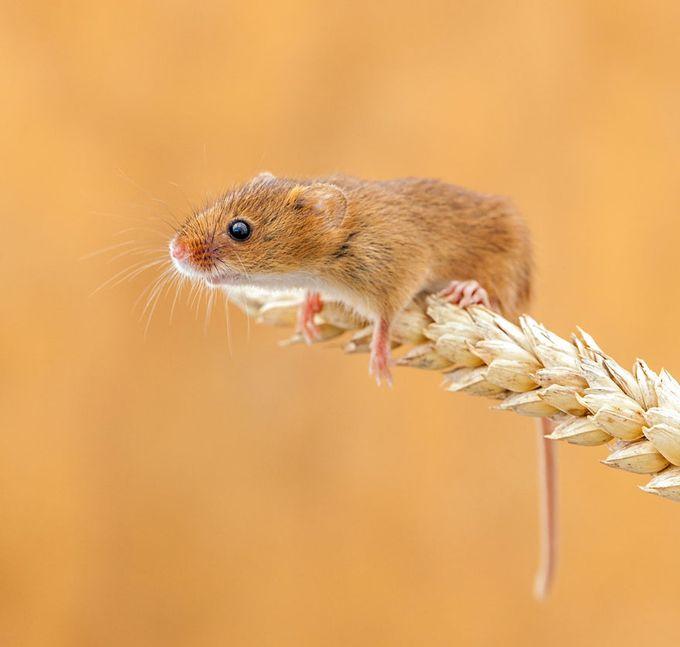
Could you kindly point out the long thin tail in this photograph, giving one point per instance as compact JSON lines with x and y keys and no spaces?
{"x":547,"y":458}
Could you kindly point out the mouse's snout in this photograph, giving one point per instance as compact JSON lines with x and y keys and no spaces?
{"x":194,"y":256}
{"x":178,"y":250}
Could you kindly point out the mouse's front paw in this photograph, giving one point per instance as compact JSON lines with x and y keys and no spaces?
{"x":311,"y":306}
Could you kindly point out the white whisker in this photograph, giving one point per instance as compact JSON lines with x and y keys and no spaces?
{"x":137,"y":228}
{"x":146,"y":292}
{"x":128,"y":273}
{"x":178,"y":282}
{"x":208,"y":311}
{"x":137,"y":251}
{"x":109,"y":248}
{"x":194,"y":293}
{"x":201,"y":294}
{"x":155,"y":296}
{"x":228,"y":322}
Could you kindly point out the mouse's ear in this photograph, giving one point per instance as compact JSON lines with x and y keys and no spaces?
{"x":327,"y":200}
{"x":263,"y":178}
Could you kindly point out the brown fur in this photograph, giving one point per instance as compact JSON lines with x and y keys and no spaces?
{"x":374,"y":244}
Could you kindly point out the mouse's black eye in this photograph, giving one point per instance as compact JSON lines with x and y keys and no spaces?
{"x":239,"y":230}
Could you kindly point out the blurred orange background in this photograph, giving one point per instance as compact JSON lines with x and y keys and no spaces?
{"x":166,"y":491}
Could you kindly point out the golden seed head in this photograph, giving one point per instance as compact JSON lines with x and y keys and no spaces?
{"x":529,"y":369}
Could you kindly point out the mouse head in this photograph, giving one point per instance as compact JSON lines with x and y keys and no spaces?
{"x":267,"y":232}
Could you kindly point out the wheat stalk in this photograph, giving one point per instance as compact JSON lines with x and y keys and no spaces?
{"x":527,"y":369}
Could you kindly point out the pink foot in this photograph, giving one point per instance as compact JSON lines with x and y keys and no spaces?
{"x":381,"y":355}
{"x":465,"y":293}
{"x":312,"y":305}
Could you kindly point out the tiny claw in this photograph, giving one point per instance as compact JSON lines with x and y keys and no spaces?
{"x":380,"y":372}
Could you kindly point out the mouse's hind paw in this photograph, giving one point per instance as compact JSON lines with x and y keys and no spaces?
{"x":465,"y":293}
{"x":381,"y":353}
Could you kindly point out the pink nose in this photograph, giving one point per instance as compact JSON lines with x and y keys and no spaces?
{"x":179,"y":250}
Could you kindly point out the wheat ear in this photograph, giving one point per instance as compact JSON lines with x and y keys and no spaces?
{"x":527,"y":369}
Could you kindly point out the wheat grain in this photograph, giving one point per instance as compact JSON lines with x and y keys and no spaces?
{"x":530,"y":370}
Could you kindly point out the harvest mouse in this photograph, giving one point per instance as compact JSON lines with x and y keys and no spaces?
{"x":372,"y":245}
